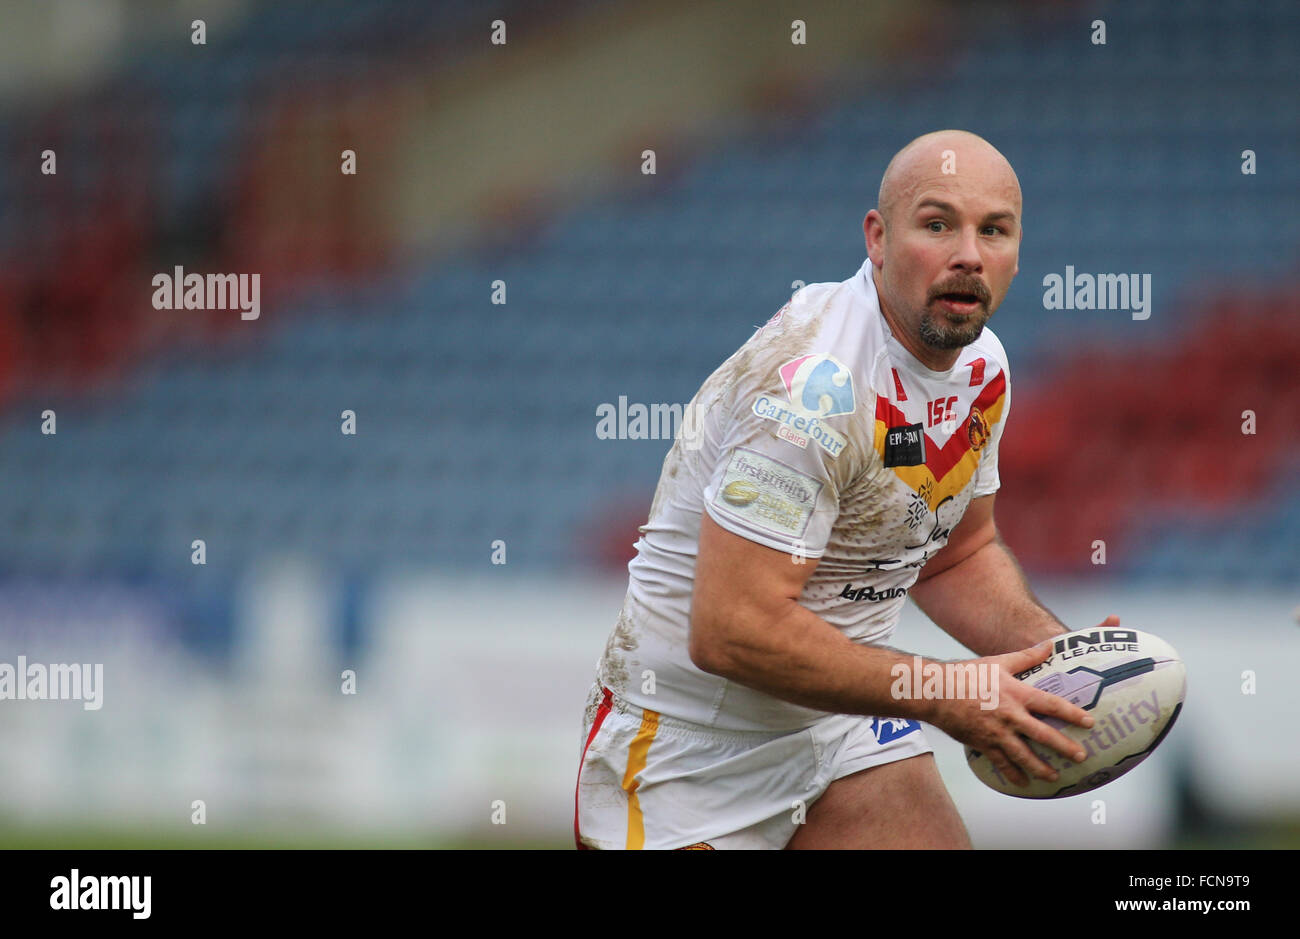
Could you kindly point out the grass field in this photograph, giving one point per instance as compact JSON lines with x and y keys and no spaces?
{"x":20,"y":837}
{"x":1282,"y":836}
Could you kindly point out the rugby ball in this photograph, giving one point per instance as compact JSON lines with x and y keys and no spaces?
{"x":1133,"y":684}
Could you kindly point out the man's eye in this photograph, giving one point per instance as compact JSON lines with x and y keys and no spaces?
{"x":930,"y":225}
{"x":993,"y":229}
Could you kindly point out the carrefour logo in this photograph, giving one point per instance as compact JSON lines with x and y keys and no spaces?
{"x":820,"y":384}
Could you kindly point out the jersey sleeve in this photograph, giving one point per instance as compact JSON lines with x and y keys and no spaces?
{"x":782,"y":465}
{"x":987,"y":480}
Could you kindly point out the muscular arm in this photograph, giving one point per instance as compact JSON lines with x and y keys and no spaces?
{"x":747,"y":626}
{"x":975,"y":591}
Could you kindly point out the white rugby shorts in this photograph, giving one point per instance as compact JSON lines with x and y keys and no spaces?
{"x":650,"y":781}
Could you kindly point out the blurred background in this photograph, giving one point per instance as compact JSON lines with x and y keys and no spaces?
{"x":498,"y":266}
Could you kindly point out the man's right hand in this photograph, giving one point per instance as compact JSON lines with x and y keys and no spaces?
{"x":997,"y":732}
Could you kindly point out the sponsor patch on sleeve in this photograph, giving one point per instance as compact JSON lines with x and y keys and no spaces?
{"x":767,"y":494}
{"x":817,"y":387}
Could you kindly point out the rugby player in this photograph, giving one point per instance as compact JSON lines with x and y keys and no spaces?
{"x":846,"y":458}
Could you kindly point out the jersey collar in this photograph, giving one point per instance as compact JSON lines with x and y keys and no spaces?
{"x":898,"y":352}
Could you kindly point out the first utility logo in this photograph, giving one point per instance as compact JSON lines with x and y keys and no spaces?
{"x":104,"y":892}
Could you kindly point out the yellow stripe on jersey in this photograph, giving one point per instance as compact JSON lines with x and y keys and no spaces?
{"x":957,"y":476}
{"x":636,"y":759}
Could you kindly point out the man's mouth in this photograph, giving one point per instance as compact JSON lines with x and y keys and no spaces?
{"x":957,"y":302}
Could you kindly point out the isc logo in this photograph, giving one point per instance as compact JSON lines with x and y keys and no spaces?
{"x":941,"y":411}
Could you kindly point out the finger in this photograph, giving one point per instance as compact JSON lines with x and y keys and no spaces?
{"x":1020,"y":754}
{"x":1009,"y":770}
{"x":1108,"y":622}
{"x":1018,"y":661}
{"x":1049,"y":736}
{"x":1040,"y":702}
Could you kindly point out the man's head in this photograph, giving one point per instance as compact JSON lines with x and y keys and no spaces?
{"x":944,"y":241}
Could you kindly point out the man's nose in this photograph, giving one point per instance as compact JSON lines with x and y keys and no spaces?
{"x":967,"y":254}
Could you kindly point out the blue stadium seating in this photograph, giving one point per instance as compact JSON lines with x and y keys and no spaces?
{"x":477,"y":422}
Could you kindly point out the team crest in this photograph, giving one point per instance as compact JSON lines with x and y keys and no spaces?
{"x":977,"y":429}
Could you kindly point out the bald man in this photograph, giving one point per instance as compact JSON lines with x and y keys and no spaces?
{"x":845,"y":459}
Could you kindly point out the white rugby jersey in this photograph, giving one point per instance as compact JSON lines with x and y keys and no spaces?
{"x":822,"y":436}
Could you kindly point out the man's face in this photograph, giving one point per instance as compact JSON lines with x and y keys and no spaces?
{"x":947,"y":255}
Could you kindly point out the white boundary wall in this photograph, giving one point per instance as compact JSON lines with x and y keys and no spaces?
{"x":470,"y":690}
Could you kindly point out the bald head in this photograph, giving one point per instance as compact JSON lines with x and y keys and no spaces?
{"x":938,"y":157}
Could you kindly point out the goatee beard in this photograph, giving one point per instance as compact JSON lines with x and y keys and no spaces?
{"x":942,"y":335}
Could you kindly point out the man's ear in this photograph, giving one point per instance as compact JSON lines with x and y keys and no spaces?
{"x":873,"y":230}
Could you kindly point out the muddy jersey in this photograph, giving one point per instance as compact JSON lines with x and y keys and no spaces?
{"x":821,"y":437}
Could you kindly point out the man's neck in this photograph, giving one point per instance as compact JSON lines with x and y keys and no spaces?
{"x":936,"y":360}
